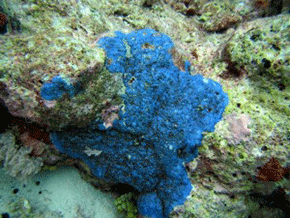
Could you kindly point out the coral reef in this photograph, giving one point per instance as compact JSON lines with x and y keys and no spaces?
{"x":238,"y":163}
{"x":160,"y":126}
{"x":249,"y":57}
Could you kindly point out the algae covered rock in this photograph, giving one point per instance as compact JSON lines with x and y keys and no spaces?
{"x":218,"y":16}
{"x":48,"y":46}
{"x":262,"y":47}
{"x":247,"y":158}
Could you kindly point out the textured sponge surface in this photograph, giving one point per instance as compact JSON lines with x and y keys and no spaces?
{"x":160,"y":125}
{"x":56,"y":88}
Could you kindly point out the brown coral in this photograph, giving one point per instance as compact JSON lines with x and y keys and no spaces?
{"x":38,"y":148}
{"x":34,"y":130}
{"x":3,"y":19}
{"x":272,"y":171}
{"x":261,"y":4}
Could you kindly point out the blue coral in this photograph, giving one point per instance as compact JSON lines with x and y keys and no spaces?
{"x":160,"y":126}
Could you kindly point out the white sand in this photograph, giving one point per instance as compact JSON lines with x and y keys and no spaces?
{"x":62,"y":192}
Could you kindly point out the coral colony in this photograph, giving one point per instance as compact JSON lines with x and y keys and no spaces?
{"x":158,"y":128}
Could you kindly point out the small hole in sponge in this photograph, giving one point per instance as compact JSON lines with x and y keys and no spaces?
{"x":5,"y":215}
{"x":122,"y":188}
{"x":266,"y":63}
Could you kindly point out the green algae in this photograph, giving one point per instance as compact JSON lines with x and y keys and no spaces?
{"x":125,"y":205}
{"x":262,"y":48}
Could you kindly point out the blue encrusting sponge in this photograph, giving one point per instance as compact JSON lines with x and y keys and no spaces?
{"x":56,"y":88}
{"x":160,"y":125}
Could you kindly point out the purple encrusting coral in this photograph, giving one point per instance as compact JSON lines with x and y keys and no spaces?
{"x":159,"y":128}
